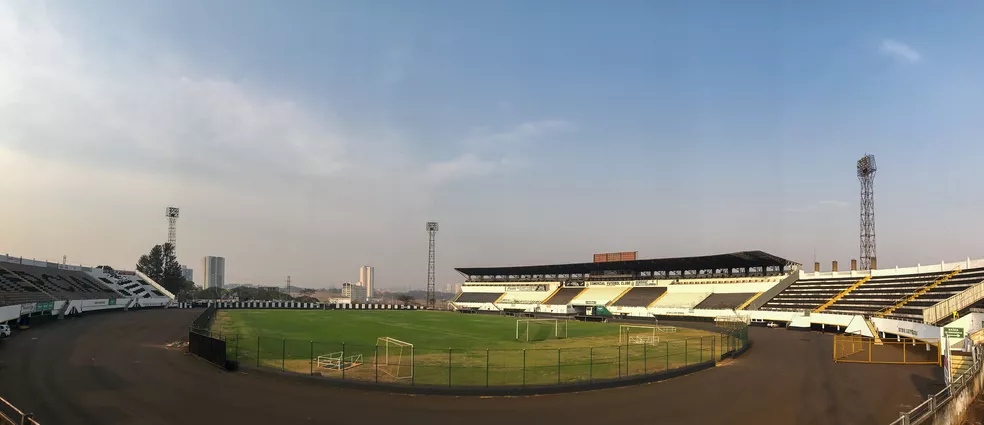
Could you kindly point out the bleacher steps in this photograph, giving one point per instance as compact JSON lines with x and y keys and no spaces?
{"x":749,"y":301}
{"x":917,"y":294}
{"x":960,"y":363}
{"x":842,"y":294}
{"x":657,"y":299}
{"x":612,"y":302}
{"x":874,"y":331}
{"x":555,"y":291}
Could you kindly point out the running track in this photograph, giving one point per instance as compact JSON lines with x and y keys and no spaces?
{"x":113,"y":368}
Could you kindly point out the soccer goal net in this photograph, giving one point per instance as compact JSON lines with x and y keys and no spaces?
{"x":540,"y":329}
{"x":394,"y":357}
{"x":634,"y":335}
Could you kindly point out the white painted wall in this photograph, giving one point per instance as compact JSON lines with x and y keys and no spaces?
{"x":9,"y":312}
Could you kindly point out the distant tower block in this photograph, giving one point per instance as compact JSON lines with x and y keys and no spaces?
{"x":431,"y":233}
{"x":866,"y":174}
{"x":172,"y":227}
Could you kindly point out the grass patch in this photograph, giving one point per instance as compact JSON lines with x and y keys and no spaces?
{"x":452,"y":349}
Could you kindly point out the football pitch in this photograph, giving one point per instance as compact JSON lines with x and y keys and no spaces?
{"x":450,"y":348}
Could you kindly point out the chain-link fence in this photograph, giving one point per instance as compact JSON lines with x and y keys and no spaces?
{"x":457,"y":367}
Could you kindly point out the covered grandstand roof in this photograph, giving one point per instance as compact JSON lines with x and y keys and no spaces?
{"x":735,"y":260}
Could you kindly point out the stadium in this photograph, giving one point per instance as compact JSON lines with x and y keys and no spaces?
{"x":745,"y":337}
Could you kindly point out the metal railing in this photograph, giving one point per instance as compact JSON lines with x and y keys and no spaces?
{"x":927,"y":410}
{"x":10,"y":415}
{"x":944,"y":308}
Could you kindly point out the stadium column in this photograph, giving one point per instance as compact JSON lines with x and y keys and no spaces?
{"x":590,"y":364}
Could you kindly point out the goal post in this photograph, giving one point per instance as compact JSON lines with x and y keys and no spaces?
{"x":540,"y":329}
{"x":635,"y":334}
{"x":394,"y":357}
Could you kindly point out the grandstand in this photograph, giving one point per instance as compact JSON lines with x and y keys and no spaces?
{"x":35,"y":288}
{"x":763,"y":287}
{"x":640,"y":296}
{"x":634,"y":288}
{"x":724,"y":301}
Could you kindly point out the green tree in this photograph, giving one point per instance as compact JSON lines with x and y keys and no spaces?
{"x":406,"y":299}
{"x":307,"y":292}
{"x":161,"y":265}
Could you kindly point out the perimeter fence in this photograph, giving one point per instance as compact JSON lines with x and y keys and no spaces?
{"x":418,"y":366}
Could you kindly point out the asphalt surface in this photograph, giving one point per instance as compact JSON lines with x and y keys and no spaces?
{"x":114,"y":368}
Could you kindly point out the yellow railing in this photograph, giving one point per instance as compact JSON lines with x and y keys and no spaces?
{"x":861,"y":349}
{"x":555,"y":291}
{"x":842,"y":294}
{"x":749,"y":301}
{"x":612,"y":302}
{"x":886,"y":311}
{"x":657,"y":299}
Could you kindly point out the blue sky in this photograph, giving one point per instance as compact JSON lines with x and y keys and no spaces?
{"x":308,"y":138}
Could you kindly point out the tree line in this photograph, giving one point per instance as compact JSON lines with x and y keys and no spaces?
{"x":161,"y":265}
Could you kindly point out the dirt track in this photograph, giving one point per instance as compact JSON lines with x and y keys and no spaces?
{"x":112,"y":368}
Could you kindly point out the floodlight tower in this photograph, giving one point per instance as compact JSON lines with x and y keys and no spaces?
{"x":172,"y":228}
{"x":431,"y":232}
{"x":866,"y":174}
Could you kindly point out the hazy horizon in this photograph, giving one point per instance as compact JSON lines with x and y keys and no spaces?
{"x":310,"y":138}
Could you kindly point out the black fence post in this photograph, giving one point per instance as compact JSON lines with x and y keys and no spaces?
{"x":645,"y":359}
{"x":342,"y":364}
{"x":375,"y":360}
{"x":524,"y":367}
{"x":619,"y":359}
{"x":257,"y":351}
{"x":311,"y":359}
{"x":702,"y":349}
{"x":686,"y":353}
{"x":590,"y":364}
{"x":486,"y":368}
{"x":449,"y":366}
{"x":283,"y":355}
{"x":667,"y":356}
{"x":237,"y":348}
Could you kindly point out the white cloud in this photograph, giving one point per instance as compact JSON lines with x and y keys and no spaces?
{"x":520,"y":134}
{"x":818,"y":205}
{"x":899,"y":50}
{"x":834,"y":204}
{"x":57,"y":99}
{"x":494,"y":151}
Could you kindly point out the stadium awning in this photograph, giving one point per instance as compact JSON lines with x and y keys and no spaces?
{"x":735,"y":260}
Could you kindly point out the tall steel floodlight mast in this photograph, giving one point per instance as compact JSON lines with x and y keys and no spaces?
{"x":866,"y":174}
{"x":172,"y":228}
{"x":431,"y":232}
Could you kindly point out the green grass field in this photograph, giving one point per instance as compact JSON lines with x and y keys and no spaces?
{"x":450,"y":348}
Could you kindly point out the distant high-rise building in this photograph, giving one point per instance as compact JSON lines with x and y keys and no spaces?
{"x":188,"y":274}
{"x":366,"y":280}
{"x":354,"y":292}
{"x":214,"y":272}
